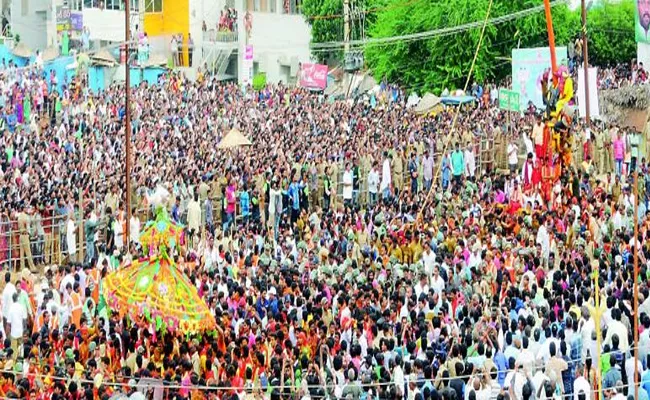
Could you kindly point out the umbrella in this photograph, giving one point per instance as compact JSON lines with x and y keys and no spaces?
{"x":153,"y":289}
{"x":234,"y":138}
{"x":50,"y":54}
{"x":21,"y":50}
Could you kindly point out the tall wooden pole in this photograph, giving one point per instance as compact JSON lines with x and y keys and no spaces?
{"x":127,"y":118}
{"x":636,"y":282}
{"x":585,"y":58}
{"x":551,"y":36}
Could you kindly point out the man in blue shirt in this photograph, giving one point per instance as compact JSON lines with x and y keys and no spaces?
{"x":294,"y":196}
{"x":457,"y":164}
{"x":11,"y":119}
{"x":176,"y":217}
{"x":245,"y":203}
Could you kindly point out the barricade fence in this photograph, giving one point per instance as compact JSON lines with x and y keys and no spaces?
{"x":47,"y":239}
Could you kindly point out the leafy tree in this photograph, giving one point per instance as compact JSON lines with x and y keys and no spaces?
{"x":444,"y":61}
{"x":610,"y":30}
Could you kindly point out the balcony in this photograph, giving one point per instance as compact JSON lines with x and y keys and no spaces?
{"x":214,"y":36}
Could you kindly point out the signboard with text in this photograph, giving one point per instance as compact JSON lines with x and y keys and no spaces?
{"x":509,"y":100}
{"x":313,"y":76}
{"x":62,"y":18}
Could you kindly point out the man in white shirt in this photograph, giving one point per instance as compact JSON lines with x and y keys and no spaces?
{"x":17,"y":318}
{"x":513,"y":156}
{"x":470,"y":162}
{"x":427,"y":166}
{"x":544,"y":240}
{"x":373,"y":184}
{"x":429,"y":259}
{"x":386,"y":182}
{"x":581,"y":385}
{"x":7,"y":296}
{"x":347,"y":185}
{"x":194,"y":218}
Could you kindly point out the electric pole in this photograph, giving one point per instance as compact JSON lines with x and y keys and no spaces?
{"x":127,"y":121}
{"x":346,"y":25}
{"x":585,"y":59}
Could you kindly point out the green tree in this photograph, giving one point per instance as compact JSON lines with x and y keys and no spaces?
{"x":444,"y":61}
{"x":325,"y":17}
{"x":610,"y":29}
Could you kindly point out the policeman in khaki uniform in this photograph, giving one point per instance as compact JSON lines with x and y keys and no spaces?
{"x":599,"y":144}
{"x":609,"y":154}
{"x":499,"y":149}
{"x":24,"y":221}
{"x":398,"y":170}
{"x":334,"y":175}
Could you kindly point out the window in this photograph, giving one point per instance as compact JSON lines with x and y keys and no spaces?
{"x":153,"y":6}
{"x":114,"y":4}
{"x":24,"y":7}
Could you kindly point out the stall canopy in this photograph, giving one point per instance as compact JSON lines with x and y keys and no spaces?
{"x":233,"y":139}
{"x":21,"y":50}
{"x":456,"y":100}
{"x":427,"y":103}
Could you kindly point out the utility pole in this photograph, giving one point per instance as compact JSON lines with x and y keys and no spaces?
{"x":127,"y":119}
{"x":141,"y":8}
{"x":346,"y":25}
{"x":585,"y":59}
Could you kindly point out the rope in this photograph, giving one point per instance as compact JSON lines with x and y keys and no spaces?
{"x":595,"y":364}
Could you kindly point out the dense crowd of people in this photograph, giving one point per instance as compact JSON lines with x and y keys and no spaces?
{"x":354,"y":250}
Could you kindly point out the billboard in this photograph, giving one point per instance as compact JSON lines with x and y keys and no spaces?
{"x":62,"y":18}
{"x":528,"y":66}
{"x":313,"y":76}
{"x":642,"y":20}
{"x":77,"y":21}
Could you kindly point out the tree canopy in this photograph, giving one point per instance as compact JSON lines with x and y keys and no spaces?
{"x":610,"y":29}
{"x":444,"y":61}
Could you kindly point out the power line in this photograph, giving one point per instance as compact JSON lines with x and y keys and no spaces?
{"x":438,"y":32}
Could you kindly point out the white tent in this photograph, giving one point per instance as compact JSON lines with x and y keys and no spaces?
{"x":427,"y":103}
{"x":233,"y":139}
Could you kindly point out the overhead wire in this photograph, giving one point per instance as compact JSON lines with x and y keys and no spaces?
{"x":362,"y":44}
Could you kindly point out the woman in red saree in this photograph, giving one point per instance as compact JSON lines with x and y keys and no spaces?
{"x":515,"y":199}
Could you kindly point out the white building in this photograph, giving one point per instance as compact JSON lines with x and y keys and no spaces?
{"x":278,"y":34}
{"x":36,"y":20}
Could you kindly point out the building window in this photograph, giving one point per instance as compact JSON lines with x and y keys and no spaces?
{"x":153,"y":6}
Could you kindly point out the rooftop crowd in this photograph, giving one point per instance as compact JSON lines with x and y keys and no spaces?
{"x":331,"y":266}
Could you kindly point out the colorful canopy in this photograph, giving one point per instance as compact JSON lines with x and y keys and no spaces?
{"x":161,"y":232}
{"x":153,"y":289}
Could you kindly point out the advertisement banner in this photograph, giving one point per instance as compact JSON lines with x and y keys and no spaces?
{"x":642,"y":20}
{"x":248,"y":65}
{"x":528,"y":67}
{"x":593,"y":93}
{"x":313,"y":76}
{"x":77,"y":21}
{"x":62,"y":18}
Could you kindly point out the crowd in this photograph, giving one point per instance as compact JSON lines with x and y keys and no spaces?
{"x":332,"y":269}
{"x":227,"y":20}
